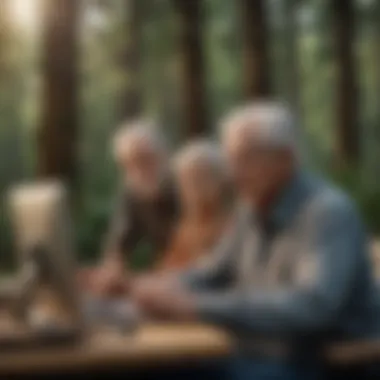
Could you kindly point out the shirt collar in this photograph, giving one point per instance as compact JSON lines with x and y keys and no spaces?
{"x":290,"y":199}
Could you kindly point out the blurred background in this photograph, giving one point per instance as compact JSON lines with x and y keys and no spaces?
{"x":72,"y":70}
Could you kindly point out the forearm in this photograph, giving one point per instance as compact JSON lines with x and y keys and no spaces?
{"x":281,"y":313}
{"x":304,"y":308}
{"x":215,"y":274}
{"x":194,"y":280}
{"x":114,"y":260}
{"x":317,"y":299}
{"x":119,"y":246}
{"x":123,"y":233}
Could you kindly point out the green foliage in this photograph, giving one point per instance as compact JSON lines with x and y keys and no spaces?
{"x":102,"y":78}
{"x":91,"y":227}
{"x":142,"y":258}
{"x":366,"y":197}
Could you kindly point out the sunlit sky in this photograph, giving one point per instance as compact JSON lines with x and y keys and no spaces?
{"x":24,"y":14}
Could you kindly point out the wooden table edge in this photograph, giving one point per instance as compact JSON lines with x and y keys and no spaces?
{"x":351,"y":353}
{"x":135,"y":355}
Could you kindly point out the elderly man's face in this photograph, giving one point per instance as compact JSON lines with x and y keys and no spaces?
{"x":257,"y":170}
{"x":143,"y":168}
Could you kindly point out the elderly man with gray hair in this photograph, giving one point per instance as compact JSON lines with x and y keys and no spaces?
{"x":293,"y":273}
{"x":147,"y":207}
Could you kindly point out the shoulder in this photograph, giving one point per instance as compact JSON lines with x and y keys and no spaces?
{"x":329,"y":205}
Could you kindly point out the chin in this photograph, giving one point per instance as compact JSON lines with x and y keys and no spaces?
{"x":250,"y":196}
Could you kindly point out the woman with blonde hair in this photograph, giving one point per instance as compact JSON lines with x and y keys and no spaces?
{"x":204,"y":193}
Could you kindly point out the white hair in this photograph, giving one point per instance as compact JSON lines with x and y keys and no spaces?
{"x":134,"y":131}
{"x":202,"y":152}
{"x":271,"y":123}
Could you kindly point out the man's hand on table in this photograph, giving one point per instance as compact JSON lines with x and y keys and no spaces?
{"x":156,"y":295}
{"x":109,"y":279}
{"x":162,"y":297}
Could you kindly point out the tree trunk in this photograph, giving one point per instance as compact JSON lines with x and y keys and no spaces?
{"x":131,"y":103}
{"x":4,"y":96}
{"x":3,"y":23}
{"x":57,"y":140}
{"x":4,"y":39}
{"x":192,"y":60}
{"x":255,"y":51}
{"x":348,"y":139}
{"x":376,"y":50}
{"x":373,"y":145}
{"x":291,"y":56}
{"x":11,"y":88}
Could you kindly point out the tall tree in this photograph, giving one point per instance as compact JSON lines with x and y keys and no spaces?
{"x":11,"y":88}
{"x":57,"y":140}
{"x":3,"y":35}
{"x":192,"y":60}
{"x":348,"y":139}
{"x":255,"y":50}
{"x":131,"y":102}
{"x":376,"y":49}
{"x":291,"y":54}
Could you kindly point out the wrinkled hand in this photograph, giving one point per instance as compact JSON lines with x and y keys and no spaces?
{"x":163,"y":298}
{"x":109,"y":280}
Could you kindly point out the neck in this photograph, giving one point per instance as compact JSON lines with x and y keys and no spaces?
{"x":265,"y":204}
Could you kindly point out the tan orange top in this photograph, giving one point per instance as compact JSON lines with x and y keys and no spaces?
{"x":190,"y":242}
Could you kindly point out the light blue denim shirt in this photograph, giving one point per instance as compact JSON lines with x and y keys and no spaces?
{"x":315,"y":279}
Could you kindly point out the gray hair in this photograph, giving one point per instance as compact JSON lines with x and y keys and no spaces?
{"x":132,"y":131}
{"x":204,"y":152}
{"x":271,"y":124}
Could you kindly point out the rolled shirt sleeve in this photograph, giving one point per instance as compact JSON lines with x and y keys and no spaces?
{"x":311,"y":306}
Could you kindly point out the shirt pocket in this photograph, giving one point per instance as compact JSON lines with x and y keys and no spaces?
{"x":282,"y":254}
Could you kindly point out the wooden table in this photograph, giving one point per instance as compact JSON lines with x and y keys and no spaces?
{"x":353,"y":353}
{"x":155,"y":345}
{"x":150,"y":345}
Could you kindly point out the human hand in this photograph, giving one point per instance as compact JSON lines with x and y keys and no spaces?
{"x":159,"y":297}
{"x":110,"y":279}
